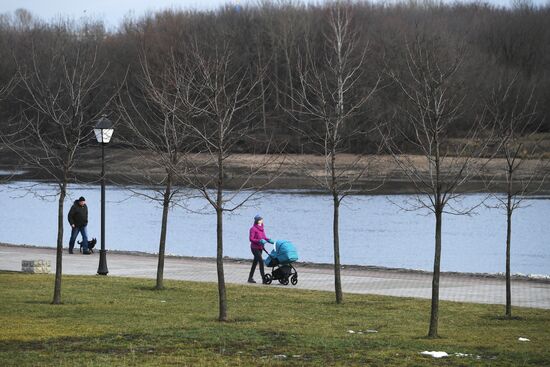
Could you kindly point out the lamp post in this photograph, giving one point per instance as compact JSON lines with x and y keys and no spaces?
{"x":103,"y":132}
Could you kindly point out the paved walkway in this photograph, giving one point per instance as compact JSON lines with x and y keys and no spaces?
{"x":525,"y":293}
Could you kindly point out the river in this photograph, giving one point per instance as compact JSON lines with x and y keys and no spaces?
{"x":373,"y":230}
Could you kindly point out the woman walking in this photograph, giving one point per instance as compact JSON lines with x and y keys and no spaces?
{"x":257,"y":242}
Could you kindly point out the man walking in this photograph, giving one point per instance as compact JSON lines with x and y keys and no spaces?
{"x":78,"y":218}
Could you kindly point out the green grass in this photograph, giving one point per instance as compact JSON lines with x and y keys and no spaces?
{"x":108,"y":321}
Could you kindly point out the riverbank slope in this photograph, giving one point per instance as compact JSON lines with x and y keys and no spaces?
{"x":380,"y":173}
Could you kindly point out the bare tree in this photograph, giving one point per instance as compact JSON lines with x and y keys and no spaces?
{"x":516,"y":39}
{"x":158,"y":137}
{"x":224,"y":99}
{"x":59,"y":85}
{"x":5,"y":91}
{"x":515,"y":117}
{"x":285,"y":38}
{"x":261,"y":63}
{"x":434,"y":102}
{"x":328,"y":98}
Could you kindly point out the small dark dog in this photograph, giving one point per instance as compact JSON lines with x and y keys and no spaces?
{"x":91,"y":245}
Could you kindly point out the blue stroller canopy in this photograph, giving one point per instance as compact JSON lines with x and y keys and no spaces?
{"x":284,"y":253}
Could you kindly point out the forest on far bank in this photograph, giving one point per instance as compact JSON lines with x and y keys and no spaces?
{"x":270,"y":43}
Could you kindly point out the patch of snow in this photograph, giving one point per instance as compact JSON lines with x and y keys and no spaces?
{"x":362,"y":332}
{"x":435,"y":354}
{"x":162,"y":301}
{"x":279,"y":356}
{"x":539,"y":276}
{"x":523,"y":339}
{"x":296,"y":356}
{"x":462,"y":355}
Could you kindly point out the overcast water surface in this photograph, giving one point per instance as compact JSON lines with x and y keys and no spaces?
{"x":373,"y":229}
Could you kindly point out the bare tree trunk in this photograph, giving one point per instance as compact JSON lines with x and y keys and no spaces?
{"x":336,"y":234}
{"x":59,"y":253}
{"x":163,"y":230}
{"x":508,"y":245}
{"x":264,"y":119}
{"x":336,"y":238}
{"x":289,"y":70}
{"x":219,"y":263}
{"x":335,"y":222}
{"x":434,"y":315}
{"x":262,"y":90}
{"x":219,"y":233}
{"x":276,"y":81}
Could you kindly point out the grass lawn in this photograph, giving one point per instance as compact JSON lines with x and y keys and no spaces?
{"x":109,"y":321}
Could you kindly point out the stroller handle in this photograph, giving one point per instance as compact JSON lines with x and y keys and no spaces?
{"x":268,"y":254}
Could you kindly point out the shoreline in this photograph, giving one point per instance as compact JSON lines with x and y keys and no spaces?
{"x":540,"y":278}
{"x":295,"y":172}
{"x":296,"y":186}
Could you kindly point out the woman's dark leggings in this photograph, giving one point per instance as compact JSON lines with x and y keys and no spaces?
{"x":257,"y":259}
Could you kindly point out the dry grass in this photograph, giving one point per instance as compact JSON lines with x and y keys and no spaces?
{"x":108,"y":321}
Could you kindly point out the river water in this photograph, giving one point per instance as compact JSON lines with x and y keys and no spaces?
{"x":373,"y":230}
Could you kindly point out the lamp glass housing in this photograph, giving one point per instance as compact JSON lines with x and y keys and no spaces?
{"x":103,"y":135}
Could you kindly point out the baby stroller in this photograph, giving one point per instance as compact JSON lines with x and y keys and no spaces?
{"x":280,"y":261}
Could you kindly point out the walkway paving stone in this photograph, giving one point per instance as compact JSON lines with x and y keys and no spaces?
{"x":460,"y":288}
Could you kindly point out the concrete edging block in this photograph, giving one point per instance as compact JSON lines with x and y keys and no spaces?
{"x":36,"y":266}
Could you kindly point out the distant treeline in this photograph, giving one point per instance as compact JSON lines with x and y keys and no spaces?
{"x":269,"y":39}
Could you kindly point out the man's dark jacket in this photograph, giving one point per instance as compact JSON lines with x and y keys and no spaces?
{"x":78,"y":215}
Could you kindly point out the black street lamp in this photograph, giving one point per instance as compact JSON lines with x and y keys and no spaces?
{"x":103,"y":131}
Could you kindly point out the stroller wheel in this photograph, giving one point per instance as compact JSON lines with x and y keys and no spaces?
{"x":267,"y":279}
{"x":284,"y":281}
{"x":294,"y":279}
